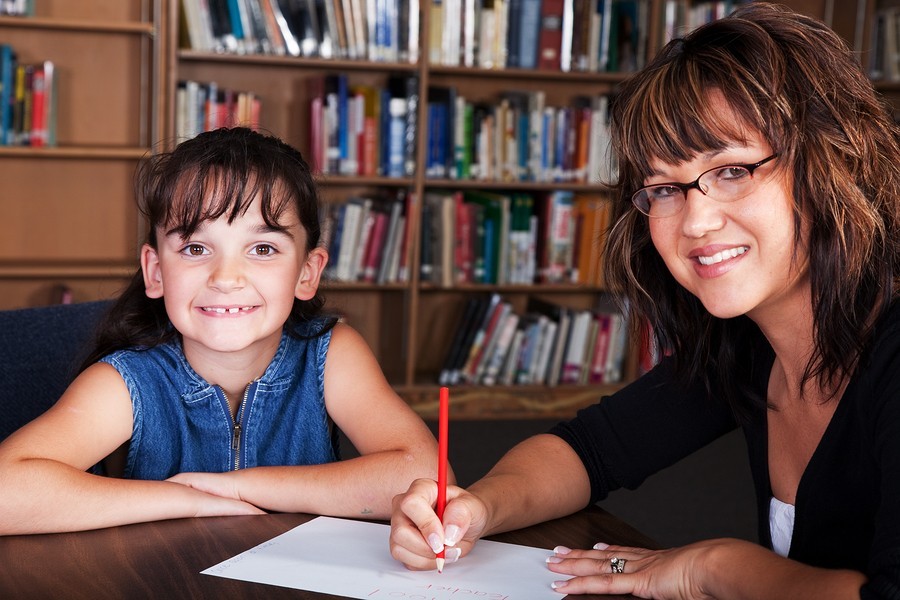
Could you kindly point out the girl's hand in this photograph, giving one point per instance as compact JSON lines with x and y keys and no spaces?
{"x":222,"y":496}
{"x":661,"y":574}
{"x":417,"y":534}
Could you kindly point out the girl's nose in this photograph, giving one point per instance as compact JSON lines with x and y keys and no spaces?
{"x":227,"y":274}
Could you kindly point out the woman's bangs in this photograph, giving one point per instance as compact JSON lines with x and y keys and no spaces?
{"x":674,"y":129}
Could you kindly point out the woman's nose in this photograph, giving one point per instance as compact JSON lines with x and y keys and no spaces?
{"x":701,"y":214}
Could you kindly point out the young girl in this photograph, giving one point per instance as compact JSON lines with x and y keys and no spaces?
{"x":215,"y":368}
{"x":756,"y":221}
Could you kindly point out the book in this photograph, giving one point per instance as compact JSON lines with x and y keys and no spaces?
{"x":465,"y":323}
{"x":550,"y":35}
{"x":390,"y":258}
{"x":468,"y":330}
{"x":558,"y":237}
{"x":501,"y":349}
{"x":576,"y":346}
{"x":476,"y":364}
{"x":375,"y":248}
{"x":529,"y":30}
{"x":470,"y":361}
{"x":8,"y":59}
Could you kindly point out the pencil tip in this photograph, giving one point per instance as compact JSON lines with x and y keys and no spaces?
{"x":440,"y":565}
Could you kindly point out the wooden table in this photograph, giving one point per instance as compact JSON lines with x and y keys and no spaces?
{"x":164,"y":559}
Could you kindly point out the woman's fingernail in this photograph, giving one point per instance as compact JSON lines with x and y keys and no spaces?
{"x":600,"y":546}
{"x":434,"y":542}
{"x":558,"y":585}
{"x":451,"y":535}
{"x":554,"y":560}
{"x":562,"y":550}
{"x":452,"y":554}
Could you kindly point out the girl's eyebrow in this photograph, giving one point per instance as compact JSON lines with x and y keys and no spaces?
{"x":266,"y":228}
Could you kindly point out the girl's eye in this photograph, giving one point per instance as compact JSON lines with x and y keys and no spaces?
{"x":194,"y":250}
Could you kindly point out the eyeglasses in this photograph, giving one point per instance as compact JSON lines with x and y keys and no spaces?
{"x":723,"y":184}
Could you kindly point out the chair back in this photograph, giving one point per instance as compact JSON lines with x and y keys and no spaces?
{"x":40,"y":352}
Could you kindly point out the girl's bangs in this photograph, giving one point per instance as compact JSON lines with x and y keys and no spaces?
{"x":210,"y":193}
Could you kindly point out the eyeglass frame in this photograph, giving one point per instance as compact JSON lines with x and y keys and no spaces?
{"x":685,"y":187}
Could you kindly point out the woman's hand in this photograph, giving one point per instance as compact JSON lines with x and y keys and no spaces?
{"x":661,"y":574}
{"x":417,"y":534}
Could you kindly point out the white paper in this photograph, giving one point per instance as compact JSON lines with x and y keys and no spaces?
{"x":352,"y":559}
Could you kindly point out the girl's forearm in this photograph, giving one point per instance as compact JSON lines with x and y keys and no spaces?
{"x":43,"y":496}
{"x":359,"y":487}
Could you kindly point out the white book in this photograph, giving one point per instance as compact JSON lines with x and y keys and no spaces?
{"x":508,"y":372}
{"x":501,"y":349}
{"x":615,"y":355}
{"x":349,"y":237}
{"x":573,"y":364}
{"x":390,"y":247}
{"x":545,"y":350}
{"x":490,"y":342}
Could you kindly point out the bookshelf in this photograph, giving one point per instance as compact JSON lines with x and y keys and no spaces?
{"x":85,"y":236}
{"x":68,"y":219}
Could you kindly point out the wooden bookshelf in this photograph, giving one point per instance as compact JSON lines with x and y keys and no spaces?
{"x":67,"y":214}
{"x":85,"y":235}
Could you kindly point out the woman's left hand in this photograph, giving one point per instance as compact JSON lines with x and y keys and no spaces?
{"x":662,"y":574}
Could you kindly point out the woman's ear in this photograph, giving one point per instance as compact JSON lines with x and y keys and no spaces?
{"x":311,"y":274}
{"x":153,"y":283}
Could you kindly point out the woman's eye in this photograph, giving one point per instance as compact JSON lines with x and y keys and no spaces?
{"x":732,"y":173}
{"x":663,"y":192}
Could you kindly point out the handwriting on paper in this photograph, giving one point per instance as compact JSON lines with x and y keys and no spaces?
{"x":352,"y":559}
{"x":424,"y":592}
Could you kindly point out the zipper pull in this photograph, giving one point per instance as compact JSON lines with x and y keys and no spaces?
{"x":236,"y":437}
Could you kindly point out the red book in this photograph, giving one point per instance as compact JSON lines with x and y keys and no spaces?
{"x":375,"y":246}
{"x":38,"y":135}
{"x":550,"y":35}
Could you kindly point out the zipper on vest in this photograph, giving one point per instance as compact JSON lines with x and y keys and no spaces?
{"x":237,"y":429}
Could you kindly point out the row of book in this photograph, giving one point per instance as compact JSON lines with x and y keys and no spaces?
{"x":682,"y":16}
{"x":559,"y":35}
{"x":204,"y":106}
{"x":549,"y":344}
{"x":366,"y":239}
{"x":375,"y":30}
{"x":496,"y":238}
{"x":28,"y":93}
{"x":362,"y":129}
{"x":885,"y":46}
{"x":17,"y":8}
{"x":517,"y":138}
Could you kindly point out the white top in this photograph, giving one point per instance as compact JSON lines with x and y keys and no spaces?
{"x":781,"y":525}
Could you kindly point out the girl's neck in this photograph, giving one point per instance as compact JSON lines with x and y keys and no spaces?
{"x":231,"y":371}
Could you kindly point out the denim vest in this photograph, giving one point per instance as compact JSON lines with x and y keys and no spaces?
{"x":184,"y":424}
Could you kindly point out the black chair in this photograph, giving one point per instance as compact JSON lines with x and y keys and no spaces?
{"x":40,"y":352}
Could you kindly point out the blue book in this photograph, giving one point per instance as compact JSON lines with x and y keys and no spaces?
{"x":384,"y":127}
{"x":435,"y":166}
{"x":343,"y":123}
{"x":529,"y":32}
{"x":7,"y":68}
{"x":513,"y":34}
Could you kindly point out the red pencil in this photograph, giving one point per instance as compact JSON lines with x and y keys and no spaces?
{"x":443,"y":429}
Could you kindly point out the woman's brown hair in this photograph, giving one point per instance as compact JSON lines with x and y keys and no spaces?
{"x":793,"y":80}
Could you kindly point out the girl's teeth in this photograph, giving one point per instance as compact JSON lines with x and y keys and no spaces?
{"x":720,"y":256}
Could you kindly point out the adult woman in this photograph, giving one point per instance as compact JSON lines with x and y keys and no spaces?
{"x":770,"y":281}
